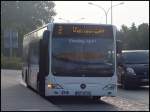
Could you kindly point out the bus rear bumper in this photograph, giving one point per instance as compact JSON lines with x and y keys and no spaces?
{"x":70,"y":92}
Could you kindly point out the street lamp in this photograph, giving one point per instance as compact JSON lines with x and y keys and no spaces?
{"x":106,"y":12}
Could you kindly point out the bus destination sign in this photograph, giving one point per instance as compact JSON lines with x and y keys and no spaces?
{"x":81,"y":30}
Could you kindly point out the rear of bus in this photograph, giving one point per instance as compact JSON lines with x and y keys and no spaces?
{"x":82,"y":61}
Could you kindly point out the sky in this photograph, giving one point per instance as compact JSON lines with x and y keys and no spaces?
{"x":127,"y":13}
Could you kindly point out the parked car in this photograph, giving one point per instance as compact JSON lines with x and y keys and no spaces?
{"x":133,"y":68}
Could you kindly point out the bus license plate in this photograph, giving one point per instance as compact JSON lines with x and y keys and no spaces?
{"x":82,"y":93}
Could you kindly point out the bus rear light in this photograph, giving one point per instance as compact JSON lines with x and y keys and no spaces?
{"x":54,"y":86}
{"x":49,"y":86}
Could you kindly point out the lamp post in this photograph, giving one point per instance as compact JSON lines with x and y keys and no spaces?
{"x":106,"y":12}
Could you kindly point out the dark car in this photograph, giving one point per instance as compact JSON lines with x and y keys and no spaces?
{"x":133,"y":68}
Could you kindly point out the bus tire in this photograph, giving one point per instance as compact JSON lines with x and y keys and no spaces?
{"x":26,"y":79}
{"x":125,"y":84}
{"x":22,"y":75}
{"x":40,"y":88}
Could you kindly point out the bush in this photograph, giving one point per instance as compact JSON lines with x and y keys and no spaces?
{"x":11,"y":62}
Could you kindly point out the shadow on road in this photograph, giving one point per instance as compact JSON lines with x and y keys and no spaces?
{"x":80,"y":103}
{"x":60,"y":103}
{"x":141,"y":88}
{"x":73,"y":100}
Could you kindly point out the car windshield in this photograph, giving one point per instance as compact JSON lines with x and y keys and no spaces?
{"x":136,"y":57}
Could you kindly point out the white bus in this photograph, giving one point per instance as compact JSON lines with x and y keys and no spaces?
{"x":71,"y":59}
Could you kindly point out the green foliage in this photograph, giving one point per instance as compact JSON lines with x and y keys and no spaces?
{"x":144,"y":34}
{"x":134,"y":37}
{"x":11,"y":62}
{"x":26,"y":15}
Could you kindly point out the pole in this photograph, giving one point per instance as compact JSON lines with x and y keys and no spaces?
{"x":107,"y":10}
{"x":10,"y":34}
{"x":105,"y":15}
{"x":106,"y":18}
{"x":111,"y":13}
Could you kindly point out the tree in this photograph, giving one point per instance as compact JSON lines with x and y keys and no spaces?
{"x":123,"y":36}
{"x":24,"y":16}
{"x":143,"y":32}
{"x":134,"y":37}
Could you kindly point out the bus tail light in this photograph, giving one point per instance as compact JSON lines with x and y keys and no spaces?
{"x":54,"y":86}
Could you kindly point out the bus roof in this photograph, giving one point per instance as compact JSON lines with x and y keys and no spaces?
{"x":86,"y":24}
{"x":66,"y":23}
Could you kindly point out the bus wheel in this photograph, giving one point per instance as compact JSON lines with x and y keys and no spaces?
{"x":26,"y":79}
{"x":38,"y":83}
{"x":40,"y":88}
{"x":22,"y":75}
{"x":96,"y":98}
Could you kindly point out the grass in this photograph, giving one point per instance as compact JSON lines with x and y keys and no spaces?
{"x":11,"y":62}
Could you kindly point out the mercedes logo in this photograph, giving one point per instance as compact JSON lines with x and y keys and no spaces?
{"x":83,"y":86}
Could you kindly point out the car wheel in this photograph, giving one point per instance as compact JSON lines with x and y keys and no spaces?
{"x":125,"y":84}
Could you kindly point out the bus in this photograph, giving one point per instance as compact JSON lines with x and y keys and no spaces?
{"x":71,"y":59}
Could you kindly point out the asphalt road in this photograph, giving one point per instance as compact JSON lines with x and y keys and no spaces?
{"x":16,"y":97}
{"x":140,"y":95}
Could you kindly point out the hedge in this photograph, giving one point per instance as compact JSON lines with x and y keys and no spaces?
{"x":11,"y":62}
